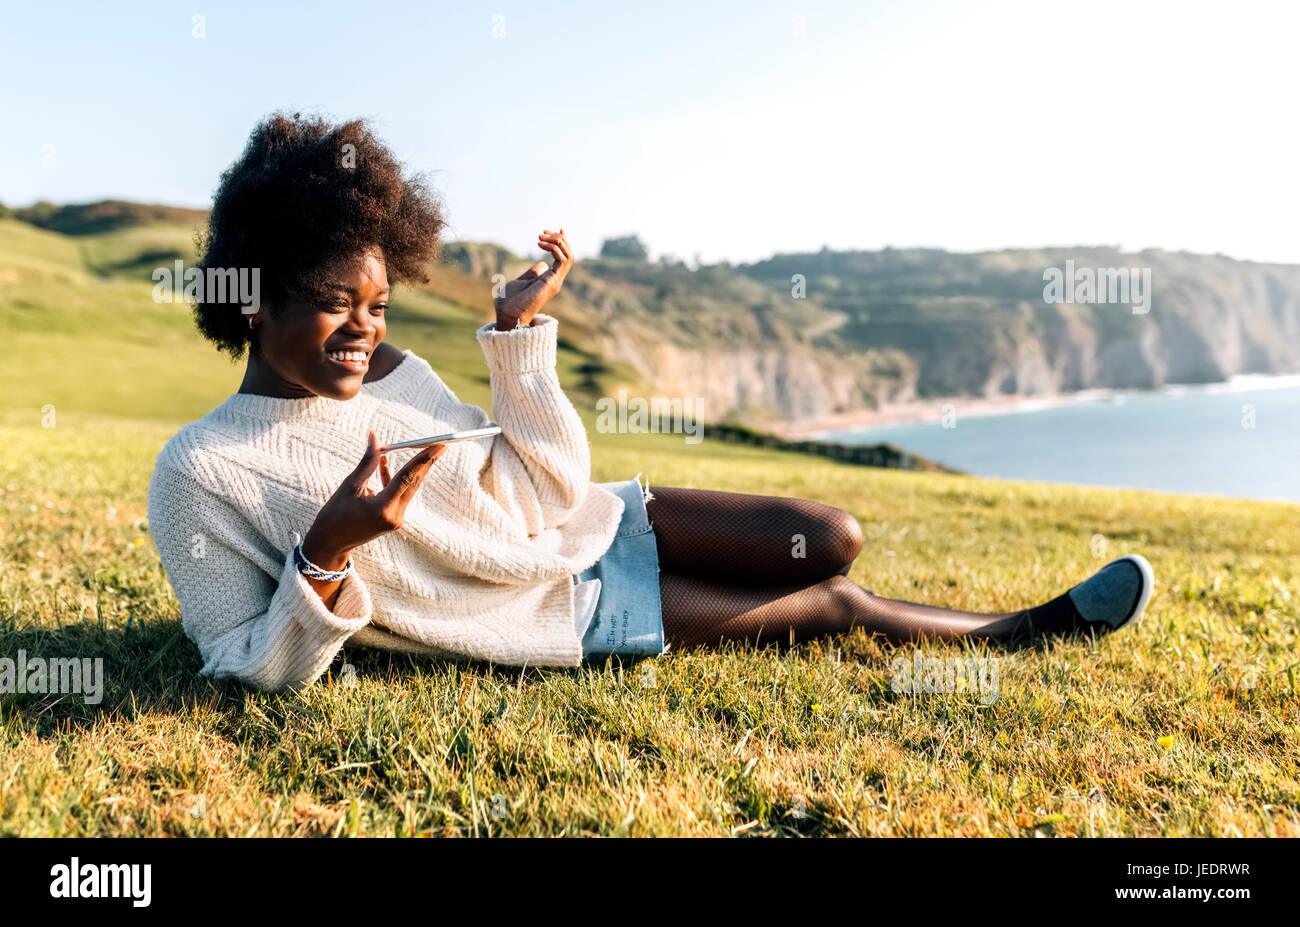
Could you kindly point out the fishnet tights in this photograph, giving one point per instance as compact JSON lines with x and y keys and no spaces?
{"x":730,"y":570}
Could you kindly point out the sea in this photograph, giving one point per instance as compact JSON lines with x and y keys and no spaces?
{"x":1239,"y":439}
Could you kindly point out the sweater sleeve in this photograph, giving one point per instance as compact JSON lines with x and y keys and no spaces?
{"x":253,"y":616}
{"x":541,"y":460}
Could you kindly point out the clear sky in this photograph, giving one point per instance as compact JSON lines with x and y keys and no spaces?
{"x":719,"y":130}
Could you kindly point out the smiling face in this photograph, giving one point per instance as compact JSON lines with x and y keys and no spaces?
{"x":322,"y":346}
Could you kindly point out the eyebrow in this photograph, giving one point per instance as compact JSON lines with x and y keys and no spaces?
{"x":351,"y":291}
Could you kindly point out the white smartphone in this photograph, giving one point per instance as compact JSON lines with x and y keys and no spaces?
{"x":450,"y":438}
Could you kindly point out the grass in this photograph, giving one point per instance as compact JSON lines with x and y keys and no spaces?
{"x":1184,"y":725}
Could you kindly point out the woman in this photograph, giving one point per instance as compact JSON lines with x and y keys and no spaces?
{"x":282,"y":546}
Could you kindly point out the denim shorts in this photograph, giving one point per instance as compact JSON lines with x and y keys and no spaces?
{"x":628,"y":620}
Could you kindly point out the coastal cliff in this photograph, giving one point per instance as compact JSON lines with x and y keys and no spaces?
{"x":803,"y":337}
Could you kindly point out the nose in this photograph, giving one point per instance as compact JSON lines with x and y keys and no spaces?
{"x":361,"y":322}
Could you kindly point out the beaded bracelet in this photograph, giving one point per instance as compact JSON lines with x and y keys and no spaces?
{"x":310,"y":570}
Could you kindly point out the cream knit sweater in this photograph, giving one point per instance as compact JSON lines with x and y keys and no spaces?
{"x":482,"y":566}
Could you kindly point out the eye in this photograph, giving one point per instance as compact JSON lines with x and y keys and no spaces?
{"x":379,"y":309}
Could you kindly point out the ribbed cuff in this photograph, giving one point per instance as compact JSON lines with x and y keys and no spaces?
{"x":520,"y":350}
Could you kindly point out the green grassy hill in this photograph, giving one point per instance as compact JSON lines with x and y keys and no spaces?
{"x":1186,"y":724}
{"x":80,"y":311}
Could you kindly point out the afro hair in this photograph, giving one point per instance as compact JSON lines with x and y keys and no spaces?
{"x":304,"y":196}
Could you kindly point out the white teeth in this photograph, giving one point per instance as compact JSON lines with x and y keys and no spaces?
{"x":347,"y":355}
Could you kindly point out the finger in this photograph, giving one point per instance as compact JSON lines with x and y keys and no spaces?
{"x":557,"y":264}
{"x":560,"y":269}
{"x":557,"y":248}
{"x":564,"y":246}
{"x":533,"y":272}
{"x":554,"y":236}
{"x":358,"y":477}
{"x":384,"y":476}
{"x":409,"y":478}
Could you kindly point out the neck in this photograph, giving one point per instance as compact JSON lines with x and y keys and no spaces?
{"x":261,"y":380}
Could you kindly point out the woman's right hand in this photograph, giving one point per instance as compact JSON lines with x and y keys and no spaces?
{"x":355,"y":514}
{"x":524,"y":297}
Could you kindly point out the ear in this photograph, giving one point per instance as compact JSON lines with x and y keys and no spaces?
{"x":258,"y":315}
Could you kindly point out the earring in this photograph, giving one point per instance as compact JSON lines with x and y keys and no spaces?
{"x":250,"y":321}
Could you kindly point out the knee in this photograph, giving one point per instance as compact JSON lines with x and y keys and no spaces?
{"x":851,"y":533}
{"x":841,"y":539}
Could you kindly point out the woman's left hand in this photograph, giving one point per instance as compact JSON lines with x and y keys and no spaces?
{"x":530,"y":291}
